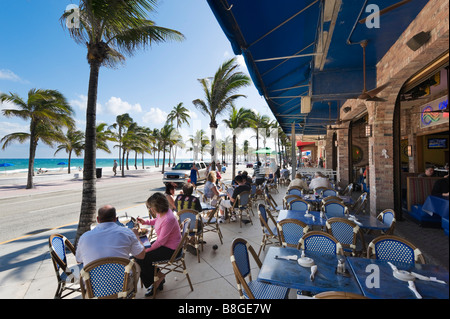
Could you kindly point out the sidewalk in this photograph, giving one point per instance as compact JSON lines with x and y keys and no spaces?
{"x":26,"y":271}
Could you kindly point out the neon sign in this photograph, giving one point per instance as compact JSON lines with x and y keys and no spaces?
{"x":429,"y":116}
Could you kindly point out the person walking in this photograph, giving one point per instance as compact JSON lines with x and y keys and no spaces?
{"x":115,"y":167}
{"x":194,"y":174}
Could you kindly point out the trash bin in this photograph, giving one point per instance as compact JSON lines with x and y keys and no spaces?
{"x":99,"y":172}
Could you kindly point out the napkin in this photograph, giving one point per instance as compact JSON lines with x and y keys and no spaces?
{"x":412,"y":287}
{"x":313,"y":272}
{"x":422,"y":277}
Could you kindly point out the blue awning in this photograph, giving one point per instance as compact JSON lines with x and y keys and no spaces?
{"x":312,"y":48}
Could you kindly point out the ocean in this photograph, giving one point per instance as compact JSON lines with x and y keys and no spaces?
{"x":20,"y":165}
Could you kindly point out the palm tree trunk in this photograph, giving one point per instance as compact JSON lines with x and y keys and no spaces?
{"x":234,"y":158}
{"x":33,"y":145}
{"x":70,"y":157}
{"x":164,"y":157}
{"x":123,"y":162}
{"x":213,"y":147}
{"x":89,"y":196}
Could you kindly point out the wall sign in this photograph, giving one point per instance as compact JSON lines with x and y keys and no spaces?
{"x":429,"y":116}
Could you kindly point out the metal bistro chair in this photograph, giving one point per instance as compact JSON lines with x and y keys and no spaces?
{"x":348,"y":190}
{"x":329,"y":192}
{"x":360,"y":205}
{"x":291,"y":231}
{"x":289,"y":198}
{"x":68,"y":277}
{"x":176,"y":262}
{"x":299,"y":205}
{"x":387,"y":217}
{"x":394,"y":248}
{"x":321,"y":242}
{"x":247,"y":287}
{"x":109,"y":278}
{"x":347,"y":233}
{"x":270,"y":234}
{"x":195,"y":228}
{"x":334,"y":209}
{"x":211,"y":224}
{"x":242,"y":204}
{"x":271,"y":204}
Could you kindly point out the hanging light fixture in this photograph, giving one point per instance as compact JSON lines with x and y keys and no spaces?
{"x":368,"y":130}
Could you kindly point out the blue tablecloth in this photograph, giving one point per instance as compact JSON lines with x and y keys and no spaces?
{"x":368,"y":271}
{"x":436,"y":205}
{"x":289,"y":273}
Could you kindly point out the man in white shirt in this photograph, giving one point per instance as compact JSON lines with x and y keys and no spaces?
{"x":108,"y":239}
{"x":319,"y":181}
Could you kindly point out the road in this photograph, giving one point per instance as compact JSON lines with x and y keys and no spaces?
{"x":25,"y":215}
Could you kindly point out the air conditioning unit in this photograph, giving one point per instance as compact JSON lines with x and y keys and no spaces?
{"x":305,"y":106}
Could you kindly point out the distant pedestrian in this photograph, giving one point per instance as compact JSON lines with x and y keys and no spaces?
{"x":194,"y":174}
{"x":115,"y":168}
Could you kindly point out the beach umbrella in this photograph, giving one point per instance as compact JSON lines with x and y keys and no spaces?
{"x":266,"y":150}
{"x":62,"y":163}
{"x":6,"y":164}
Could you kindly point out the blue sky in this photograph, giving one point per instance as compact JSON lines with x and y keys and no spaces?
{"x":36,"y":52}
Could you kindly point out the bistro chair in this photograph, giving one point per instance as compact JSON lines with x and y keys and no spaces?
{"x":347,"y":233}
{"x":339,"y":295}
{"x":319,"y":190}
{"x":334,"y":209}
{"x":210,"y":222}
{"x":360,"y":205}
{"x":394,"y":248}
{"x":270,"y":234}
{"x":241,"y":205}
{"x":291,"y":231}
{"x":329,"y":192}
{"x":321,"y":242}
{"x":271,"y":204}
{"x":195,"y":228}
{"x":68,"y":277}
{"x":299,"y":205}
{"x":289,"y":198}
{"x":331,"y":199}
{"x":387,"y":217}
{"x":109,"y":278}
{"x":247,"y":287}
{"x":176,"y":263}
{"x":348,"y":190}
{"x":295,"y":190}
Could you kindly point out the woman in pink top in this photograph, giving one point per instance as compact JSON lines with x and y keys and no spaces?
{"x":168,"y":237}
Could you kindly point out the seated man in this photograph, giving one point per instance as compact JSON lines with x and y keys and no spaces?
{"x":319,"y":181}
{"x":429,"y":172}
{"x":440,"y":187}
{"x":242,"y":187}
{"x":108,"y":239}
{"x":186,"y":200}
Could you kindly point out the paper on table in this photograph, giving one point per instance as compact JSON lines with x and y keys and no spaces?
{"x":313,"y":272}
{"x":412,"y":287}
{"x":291,"y":257}
{"x":422,"y":277}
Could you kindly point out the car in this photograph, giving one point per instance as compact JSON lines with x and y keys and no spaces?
{"x":249,"y":165}
{"x":181,"y":173}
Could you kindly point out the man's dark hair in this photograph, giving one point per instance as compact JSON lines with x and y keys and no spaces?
{"x":107,"y":213}
{"x":188,"y":188}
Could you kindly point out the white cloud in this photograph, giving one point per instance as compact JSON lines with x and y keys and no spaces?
{"x":155,"y":116}
{"x":81,"y":103}
{"x":9,"y":127}
{"x":9,"y":76}
{"x":116,"y":106}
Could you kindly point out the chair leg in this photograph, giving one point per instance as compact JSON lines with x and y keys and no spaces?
{"x":187,"y":275}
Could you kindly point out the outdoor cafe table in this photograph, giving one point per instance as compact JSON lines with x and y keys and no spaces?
{"x":364,"y":221}
{"x":389,"y":287}
{"x":288,"y":273}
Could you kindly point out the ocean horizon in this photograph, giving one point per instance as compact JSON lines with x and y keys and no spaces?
{"x":20,"y":165}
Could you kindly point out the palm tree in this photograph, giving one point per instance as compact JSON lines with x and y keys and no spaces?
{"x":166,"y":136}
{"x":109,"y":30}
{"x":259,"y":121}
{"x":47,"y":111}
{"x":220,"y":93}
{"x":245,"y":149}
{"x":180,"y":114}
{"x":238,"y":119}
{"x":103,"y":136}
{"x":74,"y":142}
{"x":122,"y":121}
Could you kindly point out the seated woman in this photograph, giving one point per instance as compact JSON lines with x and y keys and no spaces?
{"x":186,"y":200}
{"x":212,"y":193}
{"x":168,"y":237}
{"x":299,"y":182}
{"x":170,"y":194}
